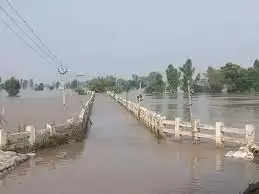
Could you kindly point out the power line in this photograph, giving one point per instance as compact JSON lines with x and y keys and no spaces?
{"x":24,"y":41}
{"x":16,"y":12}
{"x":12,"y":19}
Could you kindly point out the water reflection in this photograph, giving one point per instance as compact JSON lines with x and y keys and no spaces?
{"x":49,"y":160}
{"x":219,"y":161}
{"x":195,"y":174}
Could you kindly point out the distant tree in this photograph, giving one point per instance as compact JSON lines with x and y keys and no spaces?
{"x":173,"y":78}
{"x":57,"y":85}
{"x":97,"y":84}
{"x":215,"y":79}
{"x":155,"y":83}
{"x":136,"y":80}
{"x":196,"y":84}
{"x":256,"y":64}
{"x":122,"y":85}
{"x":187,"y":75}
{"x":253,"y":76}
{"x":51,"y":87}
{"x":12,"y":86}
{"x":31,"y":84}
{"x":25,"y":84}
{"x":1,"y":84}
{"x":39,"y":87}
{"x":236,"y":78}
{"x":74,"y":84}
{"x":109,"y":82}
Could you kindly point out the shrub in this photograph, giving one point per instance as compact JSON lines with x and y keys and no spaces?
{"x":12,"y":86}
{"x":39,"y":87}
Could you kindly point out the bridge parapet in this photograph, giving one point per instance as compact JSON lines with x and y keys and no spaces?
{"x":178,"y":129}
{"x":54,"y":134}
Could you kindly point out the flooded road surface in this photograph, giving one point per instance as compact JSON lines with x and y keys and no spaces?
{"x":39,"y":108}
{"x":121,"y":156}
{"x":235,"y":110}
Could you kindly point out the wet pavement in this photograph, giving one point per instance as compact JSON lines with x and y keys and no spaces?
{"x":120,"y":156}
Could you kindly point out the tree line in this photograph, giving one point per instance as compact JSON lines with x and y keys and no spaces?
{"x":13,"y":85}
{"x":229,"y":77}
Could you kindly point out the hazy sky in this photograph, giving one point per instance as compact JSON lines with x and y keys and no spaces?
{"x":135,"y":36}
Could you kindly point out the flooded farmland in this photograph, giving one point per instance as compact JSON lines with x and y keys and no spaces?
{"x":39,"y":107}
{"x":232,"y":109}
{"x":121,"y":156}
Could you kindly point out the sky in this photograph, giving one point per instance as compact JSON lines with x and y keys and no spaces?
{"x":120,"y":37}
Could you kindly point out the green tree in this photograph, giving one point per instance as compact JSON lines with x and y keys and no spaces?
{"x":155,"y":83}
{"x":31,"y":84}
{"x":101,"y":84}
{"x":196,"y":84}
{"x":97,"y":84}
{"x":57,"y":85}
{"x":256,"y":64}
{"x":25,"y":84}
{"x":236,"y":78}
{"x":12,"y":86}
{"x":136,"y":80}
{"x":74,"y":84}
{"x":123,"y":85}
{"x":39,"y":87}
{"x":1,"y":84}
{"x":215,"y":79}
{"x":173,"y":78}
{"x":187,"y":75}
{"x":254,"y":75}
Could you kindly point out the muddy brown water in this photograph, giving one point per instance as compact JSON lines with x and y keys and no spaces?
{"x":235,"y":110}
{"x":39,"y":108}
{"x":121,"y":156}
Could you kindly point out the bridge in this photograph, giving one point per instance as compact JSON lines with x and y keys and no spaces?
{"x":219,"y":133}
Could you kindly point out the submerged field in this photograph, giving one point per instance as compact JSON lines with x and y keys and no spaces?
{"x":120,"y":155}
{"x":232,"y":109}
{"x":39,"y":108}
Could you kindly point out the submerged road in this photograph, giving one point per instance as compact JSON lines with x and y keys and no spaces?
{"x":121,"y":156}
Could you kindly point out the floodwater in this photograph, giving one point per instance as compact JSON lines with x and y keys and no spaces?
{"x":232,"y":109}
{"x":39,"y":108}
{"x":121,"y":156}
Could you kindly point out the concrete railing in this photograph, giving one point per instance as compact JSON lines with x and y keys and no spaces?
{"x":196,"y":130}
{"x":31,"y":137}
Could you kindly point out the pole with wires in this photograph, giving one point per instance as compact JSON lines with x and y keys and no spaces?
{"x":18,"y":25}
{"x":62,"y":72}
{"x":190,"y":100}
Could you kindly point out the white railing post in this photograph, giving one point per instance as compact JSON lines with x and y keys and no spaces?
{"x":3,"y":138}
{"x":51,"y":129}
{"x":161,"y":125}
{"x":250,"y":134}
{"x":32,"y":138}
{"x":219,"y":134}
{"x":177,"y":128}
{"x":195,"y":131}
{"x":149,"y":119}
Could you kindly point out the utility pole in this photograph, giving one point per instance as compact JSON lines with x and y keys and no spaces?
{"x":62,"y":72}
{"x":190,"y":100}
